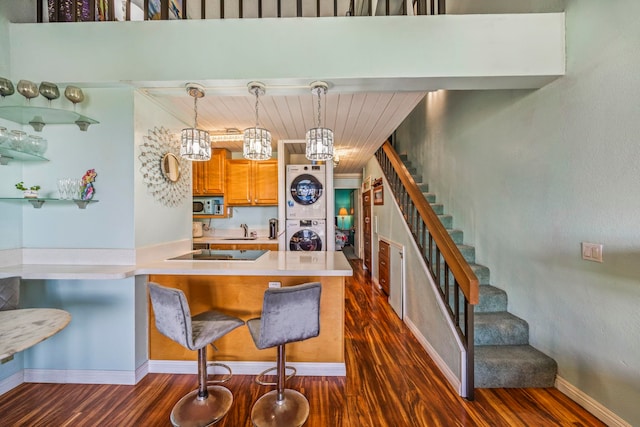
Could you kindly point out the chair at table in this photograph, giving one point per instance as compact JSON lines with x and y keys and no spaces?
{"x":9,"y":293}
{"x":209,"y":403}
{"x":289,"y":314}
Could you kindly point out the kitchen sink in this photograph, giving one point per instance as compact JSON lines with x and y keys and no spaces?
{"x":239,"y":238}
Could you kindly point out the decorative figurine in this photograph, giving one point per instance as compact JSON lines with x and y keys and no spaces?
{"x":88,"y":189}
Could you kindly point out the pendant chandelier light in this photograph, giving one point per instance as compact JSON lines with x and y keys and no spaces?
{"x":319,"y":139}
{"x":257,"y":140}
{"x":195,"y":143}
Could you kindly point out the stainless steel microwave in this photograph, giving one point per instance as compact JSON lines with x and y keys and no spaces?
{"x":208,"y":205}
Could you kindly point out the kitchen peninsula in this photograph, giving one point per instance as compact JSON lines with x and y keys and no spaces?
{"x":236,"y":287}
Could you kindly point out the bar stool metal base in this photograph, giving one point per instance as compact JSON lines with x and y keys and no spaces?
{"x":193,"y":412}
{"x":291,"y":411}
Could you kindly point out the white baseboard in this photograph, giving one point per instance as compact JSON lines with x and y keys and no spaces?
{"x":80,"y":376}
{"x":249,"y":368}
{"x":588,"y":403}
{"x":11,"y":382}
{"x":453,"y":380}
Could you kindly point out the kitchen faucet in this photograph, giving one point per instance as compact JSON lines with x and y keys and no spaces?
{"x":246,"y":229}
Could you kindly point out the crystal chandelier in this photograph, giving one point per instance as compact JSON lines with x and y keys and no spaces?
{"x":319,"y":139}
{"x":195,"y":143}
{"x":257,"y":140}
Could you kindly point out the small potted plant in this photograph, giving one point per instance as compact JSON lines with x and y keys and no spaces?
{"x":31,"y":192}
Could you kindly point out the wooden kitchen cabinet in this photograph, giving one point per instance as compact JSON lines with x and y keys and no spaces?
{"x":209,"y":177}
{"x":383,"y":266}
{"x":251,"y":183}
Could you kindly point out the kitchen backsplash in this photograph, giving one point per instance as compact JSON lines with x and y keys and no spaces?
{"x":256,"y":218}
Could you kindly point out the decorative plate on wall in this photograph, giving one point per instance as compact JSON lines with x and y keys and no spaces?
{"x":167,"y":175}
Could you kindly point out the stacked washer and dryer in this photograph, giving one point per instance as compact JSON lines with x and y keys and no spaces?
{"x":306,"y":208}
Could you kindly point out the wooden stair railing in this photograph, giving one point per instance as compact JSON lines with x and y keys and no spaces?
{"x":440,"y":254}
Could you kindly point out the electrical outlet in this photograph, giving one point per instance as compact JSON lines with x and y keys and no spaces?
{"x":275,"y":284}
{"x":592,"y":251}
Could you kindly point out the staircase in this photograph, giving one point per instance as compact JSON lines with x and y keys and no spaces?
{"x":503,"y":356}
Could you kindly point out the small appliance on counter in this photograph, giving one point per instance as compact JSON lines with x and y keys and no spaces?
{"x":197,"y":228}
{"x":273,"y":229}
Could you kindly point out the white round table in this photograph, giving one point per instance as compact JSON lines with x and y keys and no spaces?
{"x":26,"y":327}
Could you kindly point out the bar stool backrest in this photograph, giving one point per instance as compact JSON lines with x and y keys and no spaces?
{"x":173,"y":317}
{"x":289,"y":314}
{"x":9,"y":293}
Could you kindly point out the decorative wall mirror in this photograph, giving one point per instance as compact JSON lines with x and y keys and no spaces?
{"x":170,"y":167}
{"x":166,"y":174}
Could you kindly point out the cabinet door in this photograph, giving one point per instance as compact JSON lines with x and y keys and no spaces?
{"x":209,"y":177}
{"x":197,"y":170}
{"x":238,"y":183}
{"x":215,"y":173}
{"x":265,"y":182}
{"x":383,"y":266}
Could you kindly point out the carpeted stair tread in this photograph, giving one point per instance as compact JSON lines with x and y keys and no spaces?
{"x":446,"y":220}
{"x":482,"y":273}
{"x":492,"y":299}
{"x":468,"y":252}
{"x":431,"y":198}
{"x":520,"y":366}
{"x":500,"y":328}
{"x":457,"y":236}
{"x":438,"y":208}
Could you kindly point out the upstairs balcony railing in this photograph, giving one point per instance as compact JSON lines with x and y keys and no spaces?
{"x":457,"y":284}
{"x":129,"y":10}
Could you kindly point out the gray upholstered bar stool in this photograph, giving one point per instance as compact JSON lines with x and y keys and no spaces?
{"x":9,"y":293}
{"x":289,"y":314}
{"x":209,"y":403}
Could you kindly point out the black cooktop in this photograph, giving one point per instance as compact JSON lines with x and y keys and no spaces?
{"x":221,"y":255}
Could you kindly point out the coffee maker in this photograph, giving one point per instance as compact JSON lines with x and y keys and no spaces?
{"x":273,"y":228}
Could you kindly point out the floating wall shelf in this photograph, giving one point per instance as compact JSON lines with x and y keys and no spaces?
{"x":38,"y":202}
{"x":7,"y":154}
{"x":37,"y":117}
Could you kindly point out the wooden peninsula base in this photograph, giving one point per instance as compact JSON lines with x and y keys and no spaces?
{"x":241,"y":296}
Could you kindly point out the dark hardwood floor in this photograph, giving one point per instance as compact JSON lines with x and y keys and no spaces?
{"x":391,"y":381}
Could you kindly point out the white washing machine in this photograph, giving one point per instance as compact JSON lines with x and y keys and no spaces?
{"x":305,"y":192}
{"x":306,"y":235}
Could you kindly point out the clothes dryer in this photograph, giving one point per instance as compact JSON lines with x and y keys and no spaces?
{"x":305,"y":192}
{"x":306,"y":235}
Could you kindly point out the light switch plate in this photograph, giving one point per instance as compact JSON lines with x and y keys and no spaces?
{"x":592,"y":251}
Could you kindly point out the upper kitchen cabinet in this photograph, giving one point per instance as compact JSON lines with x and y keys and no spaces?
{"x":209,"y":177}
{"x":252,"y":183}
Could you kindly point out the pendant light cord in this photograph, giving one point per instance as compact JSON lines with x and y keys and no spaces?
{"x":255,"y":91}
{"x":195,"y":108}
{"x":319,"y":122}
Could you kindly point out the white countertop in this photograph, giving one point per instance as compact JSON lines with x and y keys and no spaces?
{"x":232,"y":241}
{"x":272,"y":263}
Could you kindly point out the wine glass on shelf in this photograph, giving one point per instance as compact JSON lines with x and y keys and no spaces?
{"x":74,"y":94}
{"x":6,"y":87}
{"x":28,"y":89}
{"x":50,"y":91}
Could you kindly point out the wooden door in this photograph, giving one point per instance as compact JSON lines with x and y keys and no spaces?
{"x":265,"y":182}
{"x":366,"y":228}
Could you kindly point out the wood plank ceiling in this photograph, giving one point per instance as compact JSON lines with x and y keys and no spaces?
{"x":361,"y":121}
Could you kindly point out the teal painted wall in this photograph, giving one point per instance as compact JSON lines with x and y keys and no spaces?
{"x":529,"y":175}
{"x":343,"y":200}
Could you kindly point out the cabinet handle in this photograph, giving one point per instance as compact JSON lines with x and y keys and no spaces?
{"x":383,"y":263}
